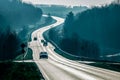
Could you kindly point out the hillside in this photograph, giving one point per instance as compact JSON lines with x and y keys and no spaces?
{"x":92,"y":33}
{"x":98,"y":24}
{"x":61,"y":10}
{"x":17,"y":13}
{"x":14,"y":16}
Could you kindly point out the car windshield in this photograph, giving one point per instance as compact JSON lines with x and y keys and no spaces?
{"x":43,"y":53}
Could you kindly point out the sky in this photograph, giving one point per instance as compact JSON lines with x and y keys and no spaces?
{"x":88,"y":3}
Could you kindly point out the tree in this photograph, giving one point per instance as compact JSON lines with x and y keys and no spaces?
{"x":24,"y":33}
{"x":70,"y":45}
{"x":51,"y":34}
{"x":69,"y":19}
{"x":9,"y":44}
{"x":68,"y":24}
{"x":48,"y":19}
{"x":89,"y":49}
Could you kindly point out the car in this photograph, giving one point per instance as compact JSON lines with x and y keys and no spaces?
{"x":45,"y":43}
{"x":42,"y":41}
{"x":43,"y":55}
{"x":35,"y":38}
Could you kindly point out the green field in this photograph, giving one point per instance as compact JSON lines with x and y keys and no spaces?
{"x":19,"y":71}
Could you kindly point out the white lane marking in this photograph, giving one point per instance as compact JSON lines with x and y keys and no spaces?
{"x":42,"y":71}
{"x":77,"y":73}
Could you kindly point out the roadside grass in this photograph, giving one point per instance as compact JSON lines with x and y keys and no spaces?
{"x":106,"y":65}
{"x":27,"y":57}
{"x":19,"y":71}
{"x":29,"y":54}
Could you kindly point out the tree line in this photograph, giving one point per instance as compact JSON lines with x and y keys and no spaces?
{"x":15,"y":17}
{"x":87,"y":33}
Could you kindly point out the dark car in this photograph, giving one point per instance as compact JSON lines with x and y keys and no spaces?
{"x":42,"y":41}
{"x":43,"y":55}
{"x":45,"y":43}
{"x":35,"y":38}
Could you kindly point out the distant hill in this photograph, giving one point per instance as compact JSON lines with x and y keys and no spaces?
{"x":61,"y":10}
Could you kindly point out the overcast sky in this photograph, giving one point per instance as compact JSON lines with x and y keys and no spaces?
{"x":71,"y":2}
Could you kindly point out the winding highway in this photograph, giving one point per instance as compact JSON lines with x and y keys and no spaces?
{"x":57,"y":67}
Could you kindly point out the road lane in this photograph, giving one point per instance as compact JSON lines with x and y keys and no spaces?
{"x":50,"y":70}
{"x":55,"y":72}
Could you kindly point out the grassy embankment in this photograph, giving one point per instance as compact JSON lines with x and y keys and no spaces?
{"x":106,"y":65}
{"x":27,"y":57}
{"x":19,"y":71}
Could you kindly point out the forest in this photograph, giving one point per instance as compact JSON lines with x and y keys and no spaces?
{"x":61,"y":10}
{"x":14,"y":16}
{"x":92,"y":33}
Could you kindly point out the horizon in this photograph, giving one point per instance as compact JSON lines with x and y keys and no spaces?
{"x":88,"y":3}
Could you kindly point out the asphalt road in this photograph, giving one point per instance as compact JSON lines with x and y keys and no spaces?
{"x":57,"y":67}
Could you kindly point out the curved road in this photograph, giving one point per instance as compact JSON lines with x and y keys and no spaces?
{"x":60,"y":68}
